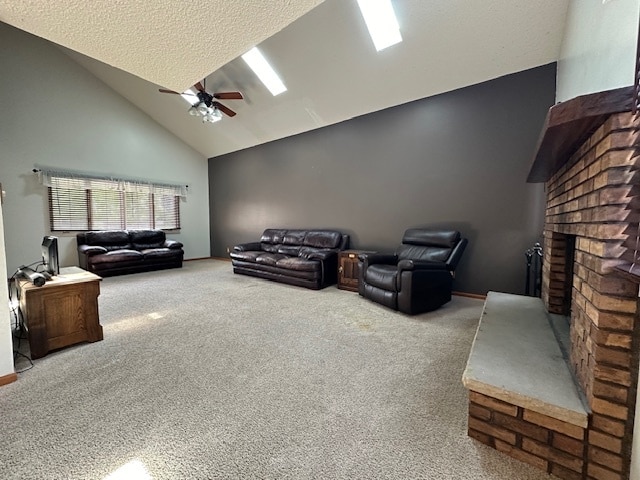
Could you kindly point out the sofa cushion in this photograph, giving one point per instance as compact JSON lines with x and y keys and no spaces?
{"x":294,"y":237}
{"x":299,"y":264}
{"x":382,"y":276}
{"x":323,"y":239}
{"x":249,"y":256}
{"x":291,"y":250}
{"x":117,"y":256}
{"x":142,"y":239}
{"x":270,"y":258}
{"x":166,"y":253}
{"x":270,"y":247}
{"x":109,"y":239}
{"x":311,"y":253}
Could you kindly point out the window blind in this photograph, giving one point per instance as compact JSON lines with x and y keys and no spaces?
{"x":101,"y":204}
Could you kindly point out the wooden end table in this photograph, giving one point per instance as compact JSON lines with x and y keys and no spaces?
{"x":63,"y":312}
{"x":348,"y":269}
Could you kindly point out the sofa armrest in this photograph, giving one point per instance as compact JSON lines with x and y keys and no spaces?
{"x":248,"y":247}
{"x":407,"y":264}
{"x":91,"y":249}
{"x":173,"y":244}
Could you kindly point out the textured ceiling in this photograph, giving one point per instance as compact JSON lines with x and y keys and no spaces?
{"x":167,"y":42}
{"x":328,"y":62}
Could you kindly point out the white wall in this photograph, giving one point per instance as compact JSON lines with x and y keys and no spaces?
{"x":55,"y":113}
{"x":598,"y":47}
{"x":6,"y":346}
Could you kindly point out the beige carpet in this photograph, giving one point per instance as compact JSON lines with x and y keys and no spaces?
{"x":204,"y":374}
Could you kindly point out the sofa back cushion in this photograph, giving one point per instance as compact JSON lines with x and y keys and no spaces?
{"x":322,"y":239}
{"x":143,"y":239}
{"x":273,"y":236}
{"x":295,"y":237}
{"x":271,"y":239}
{"x":109,"y":239}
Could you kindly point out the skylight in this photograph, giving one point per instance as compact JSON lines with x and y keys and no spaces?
{"x":263,"y":70}
{"x":190,"y":96}
{"x":381,"y":21}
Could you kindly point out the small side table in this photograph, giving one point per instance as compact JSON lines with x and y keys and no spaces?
{"x":348,"y":270}
{"x":63,"y":312}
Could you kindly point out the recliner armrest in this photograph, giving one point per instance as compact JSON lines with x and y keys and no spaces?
{"x":407,"y":264}
{"x":173,"y":244}
{"x":91,"y":249}
{"x":247,"y":247}
{"x":385,"y":258}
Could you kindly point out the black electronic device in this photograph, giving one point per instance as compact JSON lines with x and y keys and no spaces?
{"x":38,"y":279}
{"x":50,"y":255}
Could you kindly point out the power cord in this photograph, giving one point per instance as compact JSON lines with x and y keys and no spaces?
{"x":18,"y":328}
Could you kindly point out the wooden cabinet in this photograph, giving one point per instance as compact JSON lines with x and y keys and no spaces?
{"x":63,"y":312}
{"x":348,"y":269}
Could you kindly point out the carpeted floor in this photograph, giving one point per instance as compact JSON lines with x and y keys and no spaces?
{"x":204,"y":374}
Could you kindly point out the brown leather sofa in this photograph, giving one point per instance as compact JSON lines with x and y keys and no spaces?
{"x":306,"y":258}
{"x":116,"y":252}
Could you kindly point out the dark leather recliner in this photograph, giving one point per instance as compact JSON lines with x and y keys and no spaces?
{"x":418,"y":277}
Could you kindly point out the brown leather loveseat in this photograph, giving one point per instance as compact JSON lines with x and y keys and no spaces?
{"x":306,"y":258}
{"x":115,"y":252}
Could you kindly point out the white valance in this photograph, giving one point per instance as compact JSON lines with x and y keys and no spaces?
{"x":83,"y":181}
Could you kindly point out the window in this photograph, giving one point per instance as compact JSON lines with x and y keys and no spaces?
{"x":78,"y":203}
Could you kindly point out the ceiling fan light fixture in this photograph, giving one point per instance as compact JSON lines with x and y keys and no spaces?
{"x":202,"y":108}
{"x":193,"y":110}
{"x":211,"y":118}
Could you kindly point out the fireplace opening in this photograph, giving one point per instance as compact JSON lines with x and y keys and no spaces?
{"x":561,"y":270}
{"x":569,"y":261}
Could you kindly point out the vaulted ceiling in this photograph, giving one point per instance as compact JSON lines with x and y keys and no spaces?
{"x":321,"y":50}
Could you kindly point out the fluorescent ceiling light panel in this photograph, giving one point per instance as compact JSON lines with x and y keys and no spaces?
{"x":263,"y":70}
{"x":192,"y":99}
{"x":381,"y":21}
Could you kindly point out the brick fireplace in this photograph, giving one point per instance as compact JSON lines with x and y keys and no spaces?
{"x":592,"y":199}
{"x":588,"y":158}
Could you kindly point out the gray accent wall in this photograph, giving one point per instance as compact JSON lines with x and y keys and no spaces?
{"x":456,"y":160}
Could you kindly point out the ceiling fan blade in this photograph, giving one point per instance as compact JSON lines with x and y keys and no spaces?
{"x":226,"y":110}
{"x":228,"y":96}
{"x":190,"y":94}
{"x":199,"y":87}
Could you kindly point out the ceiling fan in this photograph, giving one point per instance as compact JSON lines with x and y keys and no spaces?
{"x":208,"y":101}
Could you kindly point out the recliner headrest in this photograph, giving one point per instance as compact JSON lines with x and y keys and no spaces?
{"x":434,"y":238}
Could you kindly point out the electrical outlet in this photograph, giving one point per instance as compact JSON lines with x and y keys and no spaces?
{"x":228,"y":250}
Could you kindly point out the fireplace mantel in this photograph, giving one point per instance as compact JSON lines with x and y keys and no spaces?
{"x":568,"y":124}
